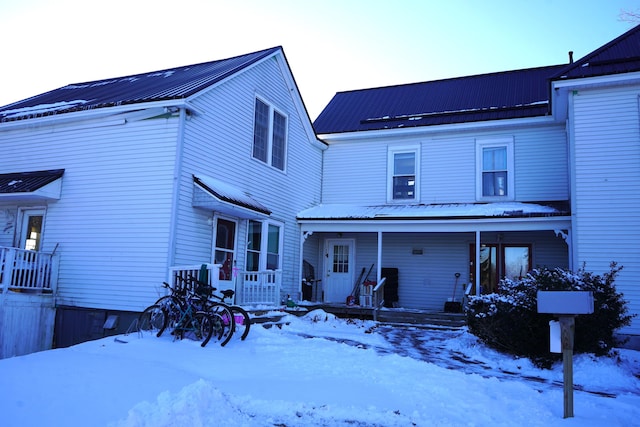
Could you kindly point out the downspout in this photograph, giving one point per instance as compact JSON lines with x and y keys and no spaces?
{"x":177,"y":174}
{"x":573,"y":261}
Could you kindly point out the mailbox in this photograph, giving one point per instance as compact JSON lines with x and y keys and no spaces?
{"x":565,"y":302}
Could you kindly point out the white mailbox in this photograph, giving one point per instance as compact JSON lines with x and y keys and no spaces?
{"x":565,"y":302}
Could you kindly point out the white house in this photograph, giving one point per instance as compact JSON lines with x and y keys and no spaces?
{"x":537,"y":168}
{"x":107,"y":187}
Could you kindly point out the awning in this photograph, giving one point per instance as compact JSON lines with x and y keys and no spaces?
{"x":27,"y":186}
{"x":212,"y":194}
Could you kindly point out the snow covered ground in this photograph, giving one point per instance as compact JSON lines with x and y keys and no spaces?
{"x":316,"y":371}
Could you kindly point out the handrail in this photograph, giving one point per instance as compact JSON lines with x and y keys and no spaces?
{"x":376,"y":301}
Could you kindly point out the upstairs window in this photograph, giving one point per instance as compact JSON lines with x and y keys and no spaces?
{"x":403,"y":179}
{"x":269,"y":135}
{"x":495,"y":170}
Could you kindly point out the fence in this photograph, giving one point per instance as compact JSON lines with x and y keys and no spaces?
{"x":261,"y":287}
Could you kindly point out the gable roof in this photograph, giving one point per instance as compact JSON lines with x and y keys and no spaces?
{"x":173,"y":83}
{"x":503,"y":95}
{"x":621,"y":55}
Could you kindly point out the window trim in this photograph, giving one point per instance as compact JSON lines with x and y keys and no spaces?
{"x":391,"y":152}
{"x":505,"y":142}
{"x":273,"y":110}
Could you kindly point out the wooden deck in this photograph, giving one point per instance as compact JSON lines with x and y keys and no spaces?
{"x":398,"y":316}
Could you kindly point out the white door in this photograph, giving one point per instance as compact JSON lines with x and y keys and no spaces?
{"x":225,"y":250}
{"x":32,"y":228}
{"x":339,"y":266}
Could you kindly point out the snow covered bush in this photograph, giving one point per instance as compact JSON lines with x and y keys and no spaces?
{"x":508,"y":320}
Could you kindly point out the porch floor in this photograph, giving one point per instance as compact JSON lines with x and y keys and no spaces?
{"x":414,"y":317}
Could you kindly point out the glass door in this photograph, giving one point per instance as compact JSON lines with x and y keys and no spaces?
{"x":224,"y":251}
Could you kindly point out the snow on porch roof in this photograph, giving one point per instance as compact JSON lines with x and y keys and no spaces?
{"x":225,"y":193}
{"x":435,"y":211}
{"x":31,"y":185}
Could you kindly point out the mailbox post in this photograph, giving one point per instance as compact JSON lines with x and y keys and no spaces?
{"x":566,"y":305}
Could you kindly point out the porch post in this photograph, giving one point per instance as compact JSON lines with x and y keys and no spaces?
{"x":379,"y":260}
{"x":477,"y":263}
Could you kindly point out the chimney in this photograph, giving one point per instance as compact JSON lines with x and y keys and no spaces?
{"x":570,"y":57}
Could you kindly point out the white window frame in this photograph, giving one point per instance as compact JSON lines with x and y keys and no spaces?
{"x":391,"y":153}
{"x":264,"y":244}
{"x":481,"y":145}
{"x":270,"y":134}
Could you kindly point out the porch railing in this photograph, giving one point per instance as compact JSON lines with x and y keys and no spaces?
{"x":28,"y":271}
{"x":252,"y":287}
{"x":260,"y":287}
{"x":377,"y":297}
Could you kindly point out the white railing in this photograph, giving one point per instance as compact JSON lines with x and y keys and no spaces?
{"x":378,"y":297}
{"x":189,"y":272}
{"x":260,"y":287}
{"x":24,"y":270}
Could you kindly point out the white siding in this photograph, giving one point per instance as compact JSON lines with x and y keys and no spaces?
{"x":356,"y":171}
{"x":219,"y":142}
{"x":607,"y":186}
{"x":111,"y":222}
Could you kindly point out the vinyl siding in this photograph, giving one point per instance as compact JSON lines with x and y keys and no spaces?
{"x":356,"y":171}
{"x":607,"y":186}
{"x":111,"y":223}
{"x":426,"y":281}
{"x":219,"y":143}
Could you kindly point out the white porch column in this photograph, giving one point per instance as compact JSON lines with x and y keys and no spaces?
{"x":477,"y":263}
{"x":379,"y":261}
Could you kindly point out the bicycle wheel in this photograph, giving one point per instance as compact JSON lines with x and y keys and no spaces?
{"x":153,"y":319}
{"x":173,"y":307}
{"x":242,"y":321}
{"x":226,"y":315}
{"x":199,"y":327}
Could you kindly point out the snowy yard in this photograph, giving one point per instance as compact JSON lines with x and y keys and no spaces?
{"x":316,"y":371}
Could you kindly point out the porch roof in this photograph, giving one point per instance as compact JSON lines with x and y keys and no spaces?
{"x":34,"y":185}
{"x":436,"y":217}
{"x":226,"y":198}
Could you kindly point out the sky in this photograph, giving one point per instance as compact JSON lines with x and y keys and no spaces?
{"x":317,"y":370}
{"x":331,"y":45}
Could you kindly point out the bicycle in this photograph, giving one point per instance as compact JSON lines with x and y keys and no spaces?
{"x":153,"y":319}
{"x":182,"y":297}
{"x":242,"y":321}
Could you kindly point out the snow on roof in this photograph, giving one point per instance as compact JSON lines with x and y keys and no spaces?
{"x":42,"y":108}
{"x":229,"y":193}
{"x":348,"y":211}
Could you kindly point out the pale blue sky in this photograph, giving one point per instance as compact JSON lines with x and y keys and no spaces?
{"x":331,"y":45}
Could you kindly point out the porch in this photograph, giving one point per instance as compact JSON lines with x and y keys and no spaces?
{"x":28,"y":271}
{"x":28,"y":283}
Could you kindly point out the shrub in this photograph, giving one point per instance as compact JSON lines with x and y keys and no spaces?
{"x":508,"y":320}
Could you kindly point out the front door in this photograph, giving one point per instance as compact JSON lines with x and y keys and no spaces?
{"x":32,"y":227}
{"x":339,"y":266}
{"x":224,"y":251}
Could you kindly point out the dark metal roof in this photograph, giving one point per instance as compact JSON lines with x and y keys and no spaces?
{"x":621,"y":55}
{"x":494,"y":96}
{"x":27,"y":182}
{"x":172,"y":83}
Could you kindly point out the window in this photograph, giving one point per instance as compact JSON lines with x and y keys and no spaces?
{"x":264,"y":243}
{"x":269,"y":135}
{"x":498,"y":261}
{"x":403,"y":175}
{"x":495,"y":169}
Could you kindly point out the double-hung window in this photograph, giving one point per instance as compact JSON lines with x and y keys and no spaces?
{"x":495,"y":169}
{"x":403,"y":167}
{"x":269,"y":135}
{"x":264,"y":246}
